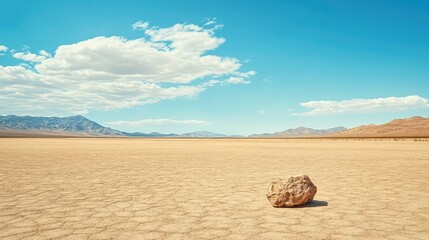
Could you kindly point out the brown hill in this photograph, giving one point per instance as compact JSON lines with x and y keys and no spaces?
{"x":408,"y":127}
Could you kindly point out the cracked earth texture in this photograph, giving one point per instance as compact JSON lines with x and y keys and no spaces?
{"x":207,"y":189}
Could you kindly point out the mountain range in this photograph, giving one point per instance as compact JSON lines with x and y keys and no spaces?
{"x":53,"y":126}
{"x":79,"y":126}
{"x":408,"y":127}
{"x":201,"y":134}
{"x":74,"y":126}
{"x":300,"y":132}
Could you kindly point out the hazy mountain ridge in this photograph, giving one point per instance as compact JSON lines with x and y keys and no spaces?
{"x":152,"y":134}
{"x":74,"y":126}
{"x":197,"y":134}
{"x":203,"y":134}
{"x":301,"y":132}
{"x":27,"y":126}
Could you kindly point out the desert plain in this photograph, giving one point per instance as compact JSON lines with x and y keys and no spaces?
{"x":119,"y":188}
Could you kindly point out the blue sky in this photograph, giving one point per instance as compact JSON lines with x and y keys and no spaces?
{"x":234,"y":67}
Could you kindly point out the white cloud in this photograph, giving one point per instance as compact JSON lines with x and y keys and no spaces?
{"x":161,"y":121}
{"x":114,"y":72}
{"x":3,"y":48}
{"x":181,"y":61}
{"x":32,"y":57}
{"x":45,"y":54}
{"x":237,"y":80}
{"x":231,"y":80}
{"x":211,"y":83}
{"x":13,"y":74}
{"x":209,"y":21}
{"x":140,"y":25}
{"x":388,"y":104}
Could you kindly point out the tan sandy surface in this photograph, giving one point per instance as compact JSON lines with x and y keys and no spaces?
{"x":186,"y":189}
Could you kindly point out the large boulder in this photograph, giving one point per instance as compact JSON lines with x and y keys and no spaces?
{"x":294,"y":191}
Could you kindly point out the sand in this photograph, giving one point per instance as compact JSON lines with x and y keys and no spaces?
{"x":206,"y":189}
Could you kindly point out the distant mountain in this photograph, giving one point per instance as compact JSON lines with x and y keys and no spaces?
{"x":74,"y":126}
{"x":203,"y":134}
{"x":79,"y":126}
{"x":56,"y":126}
{"x":152,"y":134}
{"x":300,"y":132}
{"x":198,"y":134}
{"x":408,"y":127}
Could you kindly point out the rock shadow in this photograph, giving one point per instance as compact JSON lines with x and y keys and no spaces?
{"x":314,"y":203}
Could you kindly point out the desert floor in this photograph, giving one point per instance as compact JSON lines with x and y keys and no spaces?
{"x":201,"y":188}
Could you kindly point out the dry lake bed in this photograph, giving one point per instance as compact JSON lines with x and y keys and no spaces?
{"x":77,"y":188}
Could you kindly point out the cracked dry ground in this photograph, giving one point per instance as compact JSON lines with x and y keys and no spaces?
{"x":198,"y":189}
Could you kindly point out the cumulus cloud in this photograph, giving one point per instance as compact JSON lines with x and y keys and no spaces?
{"x":388,"y":104}
{"x":3,"y":48}
{"x":16,"y":74}
{"x":181,"y":61}
{"x":32,"y":57}
{"x":113,"y":72}
{"x":161,"y":121}
{"x":140,"y":25}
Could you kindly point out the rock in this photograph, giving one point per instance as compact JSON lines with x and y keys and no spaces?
{"x":294,"y":191}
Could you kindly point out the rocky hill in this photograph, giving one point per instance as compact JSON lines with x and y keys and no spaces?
{"x":56,"y":126}
{"x":408,"y":127}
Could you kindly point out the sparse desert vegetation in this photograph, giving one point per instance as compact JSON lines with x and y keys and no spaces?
{"x":99,"y":188}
